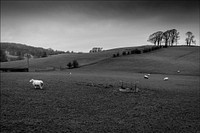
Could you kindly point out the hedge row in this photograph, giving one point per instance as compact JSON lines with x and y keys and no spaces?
{"x":137,"y":51}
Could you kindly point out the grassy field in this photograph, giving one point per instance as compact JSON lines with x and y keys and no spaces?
{"x":85,"y":102}
{"x":62,"y":60}
{"x":89,"y":100}
{"x":165,"y":61}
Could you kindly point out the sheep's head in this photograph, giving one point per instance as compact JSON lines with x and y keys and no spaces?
{"x":31,"y":80}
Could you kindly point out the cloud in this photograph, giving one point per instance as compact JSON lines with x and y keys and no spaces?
{"x":71,"y":24}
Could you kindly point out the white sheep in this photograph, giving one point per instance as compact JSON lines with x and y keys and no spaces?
{"x":37,"y":83}
{"x":146,"y":76}
{"x":166,"y":78}
{"x":178,"y":71}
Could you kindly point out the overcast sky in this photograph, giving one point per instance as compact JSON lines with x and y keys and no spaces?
{"x":81,"y":25}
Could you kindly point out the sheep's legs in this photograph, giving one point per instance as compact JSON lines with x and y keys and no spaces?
{"x":40,"y":86}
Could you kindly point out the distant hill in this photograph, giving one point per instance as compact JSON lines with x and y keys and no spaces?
{"x":16,"y":51}
{"x":165,"y":61}
{"x":61,"y":60}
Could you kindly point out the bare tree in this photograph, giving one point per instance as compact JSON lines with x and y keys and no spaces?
{"x":174,"y":37}
{"x":156,"y":38}
{"x":166,"y":37}
{"x":190,"y":38}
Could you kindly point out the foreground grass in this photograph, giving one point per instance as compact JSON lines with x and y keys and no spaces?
{"x":84,"y":102}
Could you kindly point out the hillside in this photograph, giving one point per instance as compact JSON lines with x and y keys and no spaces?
{"x":61,"y":60}
{"x":15,"y":50}
{"x":165,"y":60}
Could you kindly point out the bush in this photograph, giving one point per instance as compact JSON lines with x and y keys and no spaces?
{"x":69,"y":65}
{"x":75,"y":64}
{"x":114,"y":56}
{"x":124,"y":53}
{"x":156,"y":47}
{"x":137,"y":51}
{"x":147,"y":50}
{"x":117,"y":54}
{"x":132,"y":51}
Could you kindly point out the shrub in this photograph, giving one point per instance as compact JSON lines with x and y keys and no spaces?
{"x":145,"y":50}
{"x":137,"y":51}
{"x":124,"y":53}
{"x":69,"y":65}
{"x":132,"y":51}
{"x":75,"y":64}
{"x":117,"y":54}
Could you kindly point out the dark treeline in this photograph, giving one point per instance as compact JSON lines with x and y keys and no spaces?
{"x":137,"y":51}
{"x":20,"y":50}
{"x":169,"y":37}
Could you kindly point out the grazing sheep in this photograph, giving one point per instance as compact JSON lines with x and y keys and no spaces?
{"x":178,"y":71}
{"x":37,"y":83}
{"x":166,"y":78}
{"x":146,"y":76}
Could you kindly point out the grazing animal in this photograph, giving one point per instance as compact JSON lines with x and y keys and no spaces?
{"x":178,"y":71}
{"x":146,"y":76}
{"x":166,"y":78}
{"x":37,"y":83}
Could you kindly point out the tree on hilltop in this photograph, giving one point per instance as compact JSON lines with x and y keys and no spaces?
{"x":174,"y":37}
{"x":190,"y":38}
{"x":169,"y":37}
{"x":156,"y":38}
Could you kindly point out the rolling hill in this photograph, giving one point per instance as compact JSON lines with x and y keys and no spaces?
{"x":15,"y":50}
{"x":165,"y":61}
{"x":61,"y":60}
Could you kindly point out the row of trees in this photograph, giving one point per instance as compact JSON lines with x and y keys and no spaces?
{"x":134,"y":51}
{"x":170,"y":37}
{"x":137,"y":51}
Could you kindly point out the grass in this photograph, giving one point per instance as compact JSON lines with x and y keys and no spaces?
{"x":88,"y":100}
{"x":165,"y":61}
{"x":62,"y":60}
{"x":85,"y":102}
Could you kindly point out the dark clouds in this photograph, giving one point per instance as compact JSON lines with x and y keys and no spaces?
{"x":106,"y":22}
{"x":102,"y":9}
